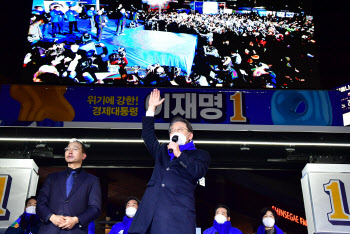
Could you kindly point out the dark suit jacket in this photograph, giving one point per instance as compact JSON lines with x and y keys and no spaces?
{"x":84,"y":201}
{"x":168,"y":202}
{"x":99,"y":20}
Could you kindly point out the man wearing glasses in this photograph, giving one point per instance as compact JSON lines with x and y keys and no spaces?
{"x":168,"y":204}
{"x":69,"y":200}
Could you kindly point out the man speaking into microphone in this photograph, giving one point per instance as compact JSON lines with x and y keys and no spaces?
{"x":168,"y":205}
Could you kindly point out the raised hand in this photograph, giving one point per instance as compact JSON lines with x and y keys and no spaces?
{"x":154,"y":100}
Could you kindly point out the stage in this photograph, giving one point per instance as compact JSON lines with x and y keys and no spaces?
{"x":145,"y":48}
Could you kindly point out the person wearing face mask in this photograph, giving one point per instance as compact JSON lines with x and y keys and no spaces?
{"x":268,"y":218}
{"x":222,"y":224}
{"x":168,"y":204}
{"x":28,"y":222}
{"x":131,"y":207}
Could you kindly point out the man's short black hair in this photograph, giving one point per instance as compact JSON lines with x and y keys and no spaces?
{"x":132,"y":198}
{"x":83,"y":148}
{"x":225,"y":207}
{"x":263,"y":212}
{"x":30,"y":198}
{"x":180,"y":119}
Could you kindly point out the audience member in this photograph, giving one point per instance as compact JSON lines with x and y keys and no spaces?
{"x":268,"y":218}
{"x":222,"y":224}
{"x":28,"y":222}
{"x":132,"y":204}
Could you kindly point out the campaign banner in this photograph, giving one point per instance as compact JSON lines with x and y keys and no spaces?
{"x":206,"y":106}
{"x":326,"y":189}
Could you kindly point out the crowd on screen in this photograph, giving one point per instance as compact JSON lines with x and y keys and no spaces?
{"x":81,"y":61}
{"x":60,"y":57}
{"x":234,"y":50}
{"x":247,"y":49}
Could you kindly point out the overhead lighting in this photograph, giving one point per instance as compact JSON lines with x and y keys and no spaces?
{"x":68,"y":139}
{"x":221,"y":142}
{"x":290,"y":148}
{"x":244,"y":147}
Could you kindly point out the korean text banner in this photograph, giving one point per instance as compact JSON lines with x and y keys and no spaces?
{"x":105,"y":104}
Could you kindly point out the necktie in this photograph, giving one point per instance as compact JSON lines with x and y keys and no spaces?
{"x":70,"y":181}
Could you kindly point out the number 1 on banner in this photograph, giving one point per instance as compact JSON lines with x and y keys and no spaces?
{"x":5,"y":186}
{"x":237,"y":108}
{"x":337,"y":195}
{"x":3,"y":183}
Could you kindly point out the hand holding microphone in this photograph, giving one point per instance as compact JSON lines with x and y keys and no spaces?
{"x":174,"y":147}
{"x":173,"y":139}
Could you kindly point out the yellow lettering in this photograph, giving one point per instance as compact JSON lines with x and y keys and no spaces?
{"x":336,"y":201}
{"x":2,"y":193}
{"x":237,"y":108}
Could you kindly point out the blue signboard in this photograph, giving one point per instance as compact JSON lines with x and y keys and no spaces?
{"x":212,"y":106}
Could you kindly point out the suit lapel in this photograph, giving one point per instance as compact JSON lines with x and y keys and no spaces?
{"x":81,"y":177}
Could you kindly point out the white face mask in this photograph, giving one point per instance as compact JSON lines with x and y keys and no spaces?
{"x":220,"y":219}
{"x":181,"y":140}
{"x":268,"y":222}
{"x":31,"y":209}
{"x":130,"y":212}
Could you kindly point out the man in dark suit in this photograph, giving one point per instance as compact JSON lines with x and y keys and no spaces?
{"x":100,"y":23}
{"x":168,"y":204}
{"x":69,"y":200}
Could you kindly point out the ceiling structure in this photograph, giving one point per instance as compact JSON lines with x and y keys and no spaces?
{"x":229,"y":149}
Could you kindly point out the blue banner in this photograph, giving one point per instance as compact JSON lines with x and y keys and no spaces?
{"x":212,"y":106}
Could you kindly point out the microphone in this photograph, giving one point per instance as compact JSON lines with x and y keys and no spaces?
{"x":174,"y":139}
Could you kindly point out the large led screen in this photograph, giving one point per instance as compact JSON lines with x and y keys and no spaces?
{"x":210,"y":8}
{"x":170,"y":44}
